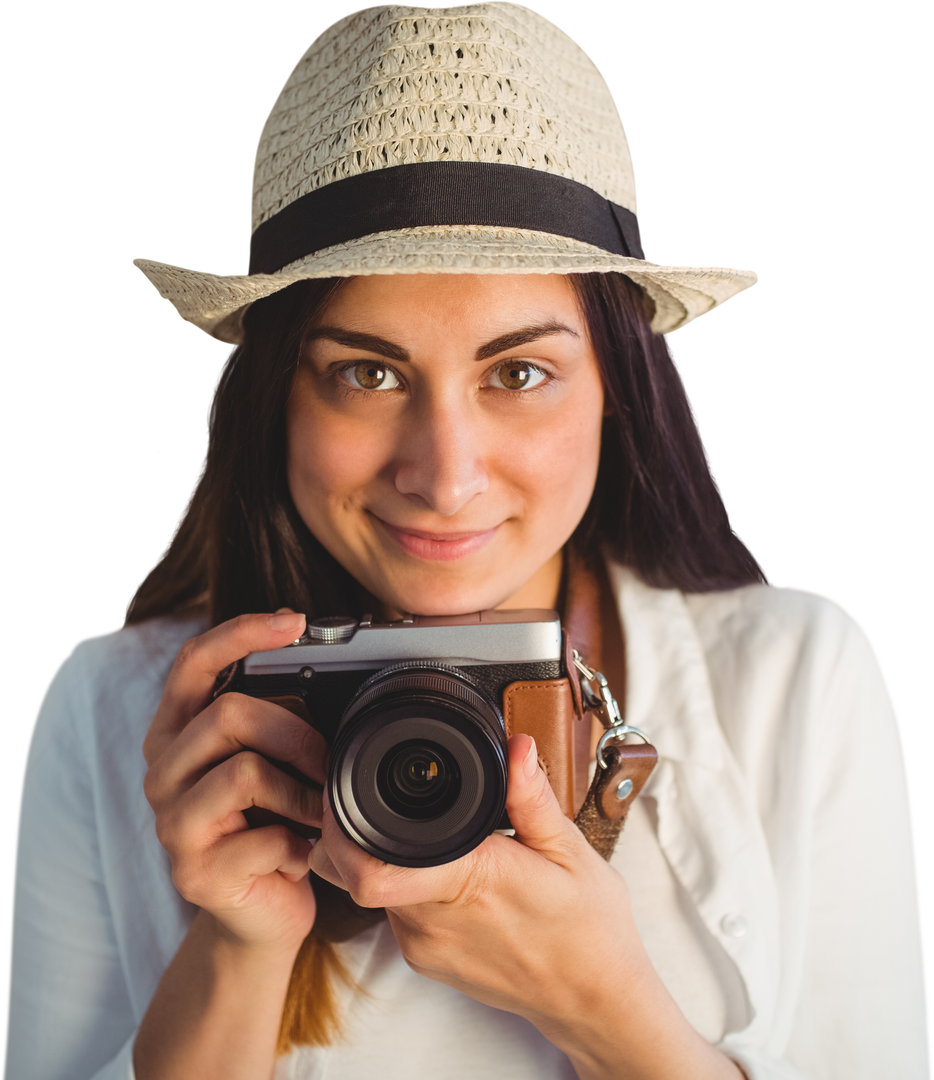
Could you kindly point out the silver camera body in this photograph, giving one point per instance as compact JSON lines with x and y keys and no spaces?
{"x":413,"y":713}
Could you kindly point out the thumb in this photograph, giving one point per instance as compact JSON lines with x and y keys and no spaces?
{"x":531,"y":804}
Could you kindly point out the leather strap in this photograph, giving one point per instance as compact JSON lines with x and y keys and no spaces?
{"x":545,"y":710}
{"x":580,"y":611}
{"x":603,"y":815}
{"x":602,"y":812}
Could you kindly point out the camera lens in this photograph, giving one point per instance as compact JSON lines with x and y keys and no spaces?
{"x":419,"y":781}
{"x":418,"y":767}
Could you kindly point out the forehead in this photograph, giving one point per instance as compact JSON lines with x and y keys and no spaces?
{"x":472,"y":305}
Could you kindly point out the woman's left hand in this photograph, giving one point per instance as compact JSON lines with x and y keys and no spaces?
{"x":542,"y":928}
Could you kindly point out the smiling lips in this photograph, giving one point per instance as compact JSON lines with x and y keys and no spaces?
{"x":437,"y":547}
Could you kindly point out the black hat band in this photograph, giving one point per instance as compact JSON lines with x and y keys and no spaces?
{"x":442,"y":193}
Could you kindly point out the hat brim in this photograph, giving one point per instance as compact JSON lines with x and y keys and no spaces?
{"x":216,"y":303}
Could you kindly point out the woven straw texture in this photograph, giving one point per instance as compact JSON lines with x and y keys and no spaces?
{"x":393,"y":86}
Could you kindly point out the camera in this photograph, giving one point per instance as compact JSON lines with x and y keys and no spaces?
{"x":417,"y":713}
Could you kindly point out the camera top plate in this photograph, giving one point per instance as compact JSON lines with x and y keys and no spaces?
{"x":483,"y":637}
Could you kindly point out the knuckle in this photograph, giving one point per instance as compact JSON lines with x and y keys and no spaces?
{"x":169,"y":831}
{"x":367,"y":890}
{"x":151,"y":786}
{"x":188,"y":881}
{"x":307,"y":800}
{"x":302,"y":746}
{"x":159,"y":788}
{"x":249,"y":771}
{"x":165,"y":834}
{"x":366,"y":897}
{"x":227,"y":710}
{"x":542,"y":798}
{"x":188,"y":651}
{"x":310,"y":742}
{"x":149,"y":747}
{"x":424,"y":951}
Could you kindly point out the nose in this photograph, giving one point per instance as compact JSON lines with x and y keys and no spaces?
{"x":441,"y":461}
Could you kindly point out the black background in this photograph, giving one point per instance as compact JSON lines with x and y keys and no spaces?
{"x":757,"y":147}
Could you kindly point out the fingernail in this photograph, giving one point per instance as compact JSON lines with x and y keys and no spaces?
{"x":312,"y":840}
{"x":530,"y":762}
{"x":290,"y":621}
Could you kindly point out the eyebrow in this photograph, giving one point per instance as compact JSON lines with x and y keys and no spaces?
{"x":354,"y":339}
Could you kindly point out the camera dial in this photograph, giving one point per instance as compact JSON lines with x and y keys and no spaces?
{"x":331,"y":629}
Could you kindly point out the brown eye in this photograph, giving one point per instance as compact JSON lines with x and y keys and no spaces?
{"x":370,"y":375}
{"x":517,"y":375}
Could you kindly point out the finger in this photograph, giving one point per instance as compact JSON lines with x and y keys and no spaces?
{"x":191,"y":681}
{"x":373,"y":883}
{"x":297,"y":875}
{"x":258,"y":852}
{"x":214,"y":807}
{"x":531,"y":804}
{"x":323,"y":866}
{"x":232,"y":723}
{"x":221,"y":874}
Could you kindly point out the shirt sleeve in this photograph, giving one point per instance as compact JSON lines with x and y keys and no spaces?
{"x":861,"y":1006}
{"x":70,"y":1012}
{"x":121,"y":1066}
{"x":834,"y":806}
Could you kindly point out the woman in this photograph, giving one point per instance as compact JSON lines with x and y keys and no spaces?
{"x":476,"y":413}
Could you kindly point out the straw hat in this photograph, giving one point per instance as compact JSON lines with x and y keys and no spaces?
{"x":472,"y":140}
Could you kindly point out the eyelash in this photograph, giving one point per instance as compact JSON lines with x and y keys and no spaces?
{"x":346,"y":387}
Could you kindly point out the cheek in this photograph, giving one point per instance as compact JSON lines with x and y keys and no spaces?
{"x":329,"y":461}
{"x":556,"y":466}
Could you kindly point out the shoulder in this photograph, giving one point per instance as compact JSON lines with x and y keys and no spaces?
{"x":109,"y":688}
{"x":777,"y":665}
{"x":784,"y":626}
{"x":789,"y":662}
{"x":761,"y":620}
{"x":757,"y":619}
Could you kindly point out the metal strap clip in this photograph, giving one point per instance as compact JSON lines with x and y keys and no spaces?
{"x":605,"y":706}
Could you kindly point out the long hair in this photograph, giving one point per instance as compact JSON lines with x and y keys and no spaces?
{"x":242,"y":547}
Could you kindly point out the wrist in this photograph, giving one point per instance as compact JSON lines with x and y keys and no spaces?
{"x":218,"y":1007}
{"x":231,"y":950}
{"x":627,"y":1024}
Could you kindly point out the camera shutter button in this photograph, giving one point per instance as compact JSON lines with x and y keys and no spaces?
{"x":331,"y":629}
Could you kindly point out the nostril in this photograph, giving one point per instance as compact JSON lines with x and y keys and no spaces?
{"x":445,"y":485}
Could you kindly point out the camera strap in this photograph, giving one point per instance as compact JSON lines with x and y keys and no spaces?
{"x":622,"y":767}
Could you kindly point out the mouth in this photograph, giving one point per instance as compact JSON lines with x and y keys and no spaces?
{"x":437,"y":546}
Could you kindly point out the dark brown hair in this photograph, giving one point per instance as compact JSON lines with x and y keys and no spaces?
{"x":242,"y":547}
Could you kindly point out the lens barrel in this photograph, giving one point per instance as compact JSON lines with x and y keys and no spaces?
{"x":418,"y":766}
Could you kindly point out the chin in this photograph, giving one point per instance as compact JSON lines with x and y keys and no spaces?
{"x":432,"y":599}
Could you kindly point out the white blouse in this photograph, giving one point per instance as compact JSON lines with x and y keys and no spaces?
{"x":769,"y":863}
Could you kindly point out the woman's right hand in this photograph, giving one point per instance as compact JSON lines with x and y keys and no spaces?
{"x":208,"y":762}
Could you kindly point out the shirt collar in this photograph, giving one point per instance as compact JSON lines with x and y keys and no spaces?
{"x":668,"y":693}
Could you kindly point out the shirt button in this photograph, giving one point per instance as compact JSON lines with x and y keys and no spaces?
{"x":733,"y":925}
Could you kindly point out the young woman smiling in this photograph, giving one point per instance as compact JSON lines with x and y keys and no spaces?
{"x":442,"y":443}
{"x":444,"y":436}
{"x":450,"y":393}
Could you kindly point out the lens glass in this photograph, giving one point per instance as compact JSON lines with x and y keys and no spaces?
{"x":417,"y":774}
{"x":418,"y":780}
